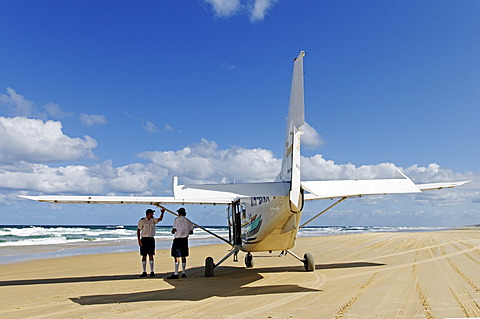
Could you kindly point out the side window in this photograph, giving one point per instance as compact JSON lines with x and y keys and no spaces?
{"x":230,"y":217}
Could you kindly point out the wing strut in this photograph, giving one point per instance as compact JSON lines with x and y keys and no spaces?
{"x":334,"y":204}
{"x":202,"y":228}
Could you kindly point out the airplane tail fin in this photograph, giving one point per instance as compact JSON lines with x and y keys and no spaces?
{"x":291,"y":158}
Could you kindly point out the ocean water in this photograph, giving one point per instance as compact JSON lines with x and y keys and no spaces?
{"x":19,"y":242}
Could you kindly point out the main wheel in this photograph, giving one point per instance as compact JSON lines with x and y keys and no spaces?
{"x":309,"y":262}
{"x":209,"y":267}
{"x":249,"y":260}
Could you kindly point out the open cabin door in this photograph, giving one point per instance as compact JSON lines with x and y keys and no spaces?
{"x":235,"y":222}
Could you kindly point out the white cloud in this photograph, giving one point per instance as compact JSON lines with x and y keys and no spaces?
{"x":310,"y":138}
{"x":55,"y":112}
{"x":256,"y":9}
{"x":260,"y":8}
{"x":318,"y":168}
{"x":434,"y":173}
{"x":98,"y":179}
{"x":42,"y":178}
{"x":224,"y":8}
{"x":92,"y":119}
{"x":169,"y":128}
{"x":16,"y":104}
{"x":149,"y":126}
{"x":36,"y":141}
{"x":205,"y":163}
{"x":33,"y":142}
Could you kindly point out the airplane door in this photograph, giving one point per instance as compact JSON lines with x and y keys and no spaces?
{"x":234,"y":223}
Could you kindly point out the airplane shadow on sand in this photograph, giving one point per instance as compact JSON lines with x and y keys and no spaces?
{"x":227,"y":282}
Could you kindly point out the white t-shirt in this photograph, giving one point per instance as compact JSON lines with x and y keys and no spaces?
{"x":147,"y":227}
{"x":183,"y":226}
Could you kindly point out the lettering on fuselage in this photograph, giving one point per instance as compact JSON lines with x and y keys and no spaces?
{"x":255,"y":201}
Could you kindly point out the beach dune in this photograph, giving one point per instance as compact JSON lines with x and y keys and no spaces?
{"x":383,"y":275}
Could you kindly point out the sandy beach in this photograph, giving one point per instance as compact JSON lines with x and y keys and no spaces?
{"x":381,"y":275}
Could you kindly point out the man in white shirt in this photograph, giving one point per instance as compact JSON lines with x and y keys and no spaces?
{"x":146,"y":239}
{"x":182,"y":228}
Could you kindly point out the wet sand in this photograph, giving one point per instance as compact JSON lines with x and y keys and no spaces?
{"x":381,"y":275}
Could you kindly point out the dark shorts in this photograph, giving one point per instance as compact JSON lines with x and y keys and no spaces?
{"x":180,"y":247}
{"x":148,"y":247}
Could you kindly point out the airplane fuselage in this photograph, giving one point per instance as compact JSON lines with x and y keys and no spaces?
{"x":266,"y":223}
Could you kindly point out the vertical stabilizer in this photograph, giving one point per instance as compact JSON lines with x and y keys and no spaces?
{"x":291,"y":157}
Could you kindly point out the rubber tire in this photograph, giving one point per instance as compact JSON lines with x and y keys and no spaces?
{"x":209,"y":267}
{"x":249,"y":260}
{"x":309,"y":262}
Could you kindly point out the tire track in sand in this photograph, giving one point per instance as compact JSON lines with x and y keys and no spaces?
{"x":460,"y":294}
{"x":278,"y":302}
{"x":468,"y":304}
{"x":427,"y":309}
{"x":422,"y":298}
{"x":343,"y":310}
{"x":408,"y":264}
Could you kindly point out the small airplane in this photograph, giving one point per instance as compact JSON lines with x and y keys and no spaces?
{"x":266,"y":216}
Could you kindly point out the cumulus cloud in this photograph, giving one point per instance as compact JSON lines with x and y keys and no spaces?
{"x":206,"y":163}
{"x":311,"y":139}
{"x":92,"y":119}
{"x":434,"y":173}
{"x":318,"y":168}
{"x":256,"y":9}
{"x":203,"y":162}
{"x":36,"y":141}
{"x":26,"y":145}
{"x":78,"y":179}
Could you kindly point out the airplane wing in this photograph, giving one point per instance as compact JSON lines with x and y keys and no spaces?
{"x":351,"y":188}
{"x":213,"y":194}
{"x":58,"y":199}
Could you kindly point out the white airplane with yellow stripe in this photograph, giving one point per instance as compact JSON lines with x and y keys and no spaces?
{"x":266,"y":216}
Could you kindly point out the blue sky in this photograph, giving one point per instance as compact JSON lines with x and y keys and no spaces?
{"x":116,"y":97}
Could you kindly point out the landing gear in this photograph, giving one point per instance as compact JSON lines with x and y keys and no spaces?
{"x":249,"y":260}
{"x":308,"y":262}
{"x":209,"y":267}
